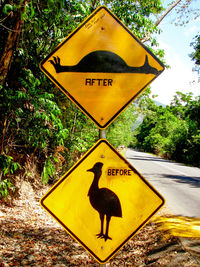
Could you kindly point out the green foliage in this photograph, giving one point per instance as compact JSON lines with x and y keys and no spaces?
{"x":195,"y":56}
{"x":5,"y":187}
{"x":83,"y":133}
{"x":33,"y":113}
{"x":173,"y":131}
{"x":7,"y":165}
{"x":120,"y":131}
{"x":48,"y":169}
{"x":139,"y":16}
{"x":35,"y":116}
{"x":7,"y":9}
{"x":7,"y":168}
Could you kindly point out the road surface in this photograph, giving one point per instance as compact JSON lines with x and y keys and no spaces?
{"x":177,"y":183}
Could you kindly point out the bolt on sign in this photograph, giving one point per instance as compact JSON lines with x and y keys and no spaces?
{"x":102,"y":67}
{"x":102,"y":201}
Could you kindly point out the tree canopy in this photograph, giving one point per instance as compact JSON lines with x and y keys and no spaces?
{"x":173,"y":131}
{"x":195,"y":56}
{"x":39,"y":125}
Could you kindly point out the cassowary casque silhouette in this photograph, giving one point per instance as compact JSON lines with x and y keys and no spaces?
{"x":103,"y":200}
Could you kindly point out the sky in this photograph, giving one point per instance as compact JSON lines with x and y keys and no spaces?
{"x":175,"y":40}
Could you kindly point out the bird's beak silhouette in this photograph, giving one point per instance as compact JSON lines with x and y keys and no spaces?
{"x":90,"y":170}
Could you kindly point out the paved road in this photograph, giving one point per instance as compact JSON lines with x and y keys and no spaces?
{"x":178,"y":184}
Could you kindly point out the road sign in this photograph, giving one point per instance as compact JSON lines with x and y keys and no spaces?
{"x":102,"y":67}
{"x":102,"y":201}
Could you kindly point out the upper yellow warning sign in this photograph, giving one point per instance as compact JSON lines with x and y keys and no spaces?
{"x":102,"y":67}
{"x":102,"y":201}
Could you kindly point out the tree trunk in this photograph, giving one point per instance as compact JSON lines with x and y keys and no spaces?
{"x":3,"y":135}
{"x":167,"y":12}
{"x":11,"y":44}
{"x":158,"y":21}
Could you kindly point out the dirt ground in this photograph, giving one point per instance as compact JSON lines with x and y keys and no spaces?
{"x":30,"y":237}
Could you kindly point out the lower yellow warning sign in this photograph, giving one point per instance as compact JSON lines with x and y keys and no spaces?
{"x":102,"y":201}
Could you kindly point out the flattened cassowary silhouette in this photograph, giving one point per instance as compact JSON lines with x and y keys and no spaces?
{"x":103,"y":200}
{"x":105,"y":62}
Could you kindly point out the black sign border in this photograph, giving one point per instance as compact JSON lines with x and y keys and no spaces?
{"x":70,"y":96}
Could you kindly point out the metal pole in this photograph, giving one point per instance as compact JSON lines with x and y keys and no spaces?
{"x":102,"y":134}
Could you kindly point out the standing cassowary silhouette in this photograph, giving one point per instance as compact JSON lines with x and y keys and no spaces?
{"x":103,"y":200}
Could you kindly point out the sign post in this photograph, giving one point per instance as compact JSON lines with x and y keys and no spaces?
{"x":102,"y":201}
{"x":102,"y":134}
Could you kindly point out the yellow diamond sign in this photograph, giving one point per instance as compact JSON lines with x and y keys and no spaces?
{"x":102,"y":201}
{"x":102,"y":67}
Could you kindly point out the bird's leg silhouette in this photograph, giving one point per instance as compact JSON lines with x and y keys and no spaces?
{"x":101,"y":235}
{"x":56,"y":63}
{"x":107,"y":227}
{"x":58,"y":67}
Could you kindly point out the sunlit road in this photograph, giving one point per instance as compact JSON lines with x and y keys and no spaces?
{"x":178,"y":184}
